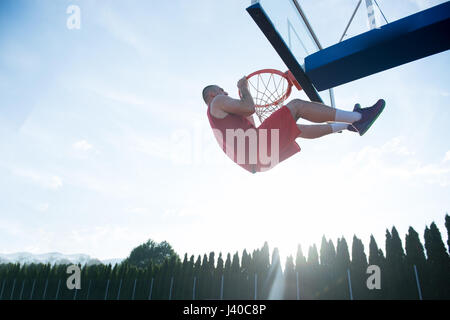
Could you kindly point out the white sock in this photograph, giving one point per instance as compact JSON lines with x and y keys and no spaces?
{"x":336,"y":127}
{"x":347,"y":116}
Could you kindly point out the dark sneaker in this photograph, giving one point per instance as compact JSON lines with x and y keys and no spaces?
{"x":369,"y":116}
{"x":357,"y":108}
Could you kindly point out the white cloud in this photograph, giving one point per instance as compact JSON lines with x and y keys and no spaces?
{"x":10,"y":227}
{"x":101,"y":241}
{"x":43,"y":179}
{"x":82,"y":145}
{"x":394,"y":146}
{"x":424,"y":4}
{"x":43,"y":207}
{"x":119,"y":96}
{"x":123,"y":30}
{"x":447,"y":156}
{"x":394,"y":159}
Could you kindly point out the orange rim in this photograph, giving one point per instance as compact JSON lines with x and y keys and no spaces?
{"x":288,"y":76}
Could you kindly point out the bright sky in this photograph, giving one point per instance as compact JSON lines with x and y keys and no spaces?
{"x":105,"y":143}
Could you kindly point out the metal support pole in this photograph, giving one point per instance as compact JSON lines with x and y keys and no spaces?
{"x":21,"y":290}
{"x":349,"y":284}
{"x":308,"y":25}
{"x":45,"y":289}
{"x":3,"y":287}
{"x":351,"y":19}
{"x":89,"y":289}
{"x":12,"y":291}
{"x":151,"y":289}
{"x":120,"y":288}
{"x":134,"y":289}
{"x":106,"y":290}
{"x":221,"y":289}
{"x":298,"y":289}
{"x":419,"y":290}
{"x":32,"y":290}
{"x":332,"y":100}
{"x":256,"y":286}
{"x":57,"y":290}
{"x":371,"y":14}
{"x":170,"y":290}
{"x":193,"y":289}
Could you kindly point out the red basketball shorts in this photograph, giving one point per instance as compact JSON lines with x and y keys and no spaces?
{"x":283,"y":121}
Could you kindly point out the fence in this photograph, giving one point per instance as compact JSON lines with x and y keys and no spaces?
{"x":169,"y":288}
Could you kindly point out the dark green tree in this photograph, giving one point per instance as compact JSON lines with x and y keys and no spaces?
{"x":342,"y":265}
{"x":376,"y":255}
{"x":447,"y":226}
{"x":326,"y":268}
{"x":205,"y":279}
{"x":415,"y":256}
{"x":235,"y":276}
{"x":399,"y":276}
{"x":275,"y":277}
{"x":218,"y":273}
{"x":311,"y":286}
{"x":300,"y":269}
{"x":150,"y":252}
{"x":358,"y":268}
{"x":327,"y":253}
{"x":247,"y":279}
{"x":290,"y":280}
{"x":263,"y":266}
{"x":438,"y":264}
{"x":300,"y":260}
{"x":228,"y":285}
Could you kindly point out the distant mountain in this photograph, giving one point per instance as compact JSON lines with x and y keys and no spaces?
{"x":53,"y":258}
{"x":112,"y":261}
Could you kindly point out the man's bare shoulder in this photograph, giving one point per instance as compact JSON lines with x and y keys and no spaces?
{"x":216,"y":106}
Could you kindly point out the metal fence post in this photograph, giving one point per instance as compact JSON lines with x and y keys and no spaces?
{"x":134,"y":289}
{"x":256,"y":286}
{"x":21,"y":290}
{"x":45,"y":289}
{"x":349,"y":284}
{"x":419,"y":290}
{"x":170,"y":290}
{"x":221,"y":289}
{"x":107,"y":288}
{"x":118,"y":291}
{"x":32,"y":289}
{"x":12,"y":290}
{"x":3,"y":287}
{"x":57,"y":290}
{"x":193,"y":289}
{"x":151,"y":289}
{"x":89,"y":289}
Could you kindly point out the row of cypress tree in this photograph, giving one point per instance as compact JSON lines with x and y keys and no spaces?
{"x":328,"y":273}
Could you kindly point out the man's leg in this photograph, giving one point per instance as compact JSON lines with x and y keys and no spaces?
{"x":319,"y":130}
{"x":318,"y":112}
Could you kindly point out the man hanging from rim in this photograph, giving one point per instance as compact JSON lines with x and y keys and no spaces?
{"x":260,"y":148}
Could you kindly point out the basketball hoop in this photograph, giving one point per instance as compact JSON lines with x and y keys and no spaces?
{"x":269,"y":89}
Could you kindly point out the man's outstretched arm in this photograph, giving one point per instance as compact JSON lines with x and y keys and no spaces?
{"x":244,"y":106}
{"x":251,"y":119}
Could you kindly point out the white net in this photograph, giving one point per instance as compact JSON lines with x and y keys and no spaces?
{"x":269,"y":90}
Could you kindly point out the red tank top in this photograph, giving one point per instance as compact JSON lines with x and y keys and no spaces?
{"x":233,"y":122}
